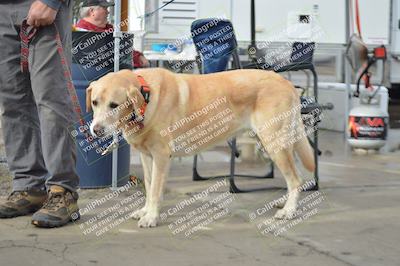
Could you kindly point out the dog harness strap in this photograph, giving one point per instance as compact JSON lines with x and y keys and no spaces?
{"x":26,"y":34}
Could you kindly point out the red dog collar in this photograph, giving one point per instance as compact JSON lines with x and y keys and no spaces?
{"x":145,"y":90}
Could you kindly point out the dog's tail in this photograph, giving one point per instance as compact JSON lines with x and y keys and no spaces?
{"x":305,"y":152}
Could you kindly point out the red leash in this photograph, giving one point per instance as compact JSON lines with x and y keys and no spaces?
{"x":26,"y":34}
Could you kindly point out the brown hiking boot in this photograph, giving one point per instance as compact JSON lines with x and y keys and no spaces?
{"x":22,"y":203}
{"x":59,"y":209}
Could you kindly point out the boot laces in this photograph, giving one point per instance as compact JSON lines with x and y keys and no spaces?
{"x":54,"y":201}
{"x":16,"y":195}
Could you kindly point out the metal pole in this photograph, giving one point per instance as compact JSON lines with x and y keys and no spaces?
{"x":117,"y":38}
{"x":253,"y":23}
{"x":347,"y":69}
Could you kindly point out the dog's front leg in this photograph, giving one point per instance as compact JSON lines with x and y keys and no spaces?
{"x":147,"y":162}
{"x":160,"y":170}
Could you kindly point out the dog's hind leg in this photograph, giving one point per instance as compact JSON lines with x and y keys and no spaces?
{"x":147,"y":162}
{"x":281,"y":152}
{"x":284,"y":159}
{"x":159,"y":172}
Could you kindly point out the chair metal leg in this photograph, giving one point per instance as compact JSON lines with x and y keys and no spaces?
{"x":232,"y":186}
{"x":196,"y":176}
{"x":316,"y":154}
{"x":234,"y":154}
{"x":314,"y":146}
{"x":269,"y":174}
{"x":316,"y":177}
{"x":232,"y":145}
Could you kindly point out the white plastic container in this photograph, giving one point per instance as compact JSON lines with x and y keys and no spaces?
{"x":335,"y":93}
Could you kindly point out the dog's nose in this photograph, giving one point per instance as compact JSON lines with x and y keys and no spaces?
{"x":98,"y":130}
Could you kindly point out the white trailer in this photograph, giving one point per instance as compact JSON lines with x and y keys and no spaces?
{"x":379,"y":25}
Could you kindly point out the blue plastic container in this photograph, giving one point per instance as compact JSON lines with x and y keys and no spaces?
{"x":95,"y":170}
{"x":162,"y":47}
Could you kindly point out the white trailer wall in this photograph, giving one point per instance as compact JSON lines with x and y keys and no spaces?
{"x":205,"y":9}
{"x":272,"y":17}
{"x":375,"y":21}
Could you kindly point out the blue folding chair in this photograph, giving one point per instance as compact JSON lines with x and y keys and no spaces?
{"x":216,"y":44}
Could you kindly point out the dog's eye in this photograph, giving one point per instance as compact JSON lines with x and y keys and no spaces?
{"x":113,"y":105}
{"x":94,"y":103}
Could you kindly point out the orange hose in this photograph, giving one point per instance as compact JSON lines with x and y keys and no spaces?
{"x":358,"y":20}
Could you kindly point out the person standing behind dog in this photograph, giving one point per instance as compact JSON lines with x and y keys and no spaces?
{"x":36,"y":112}
{"x":94,"y":18}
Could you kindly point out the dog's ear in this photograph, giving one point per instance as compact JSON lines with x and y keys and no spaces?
{"x":135,"y":96}
{"x":89,"y":98}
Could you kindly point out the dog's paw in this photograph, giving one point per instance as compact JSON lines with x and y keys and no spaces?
{"x":139,"y":213}
{"x":280,"y":204}
{"x":285,"y":213}
{"x":148,"y":220}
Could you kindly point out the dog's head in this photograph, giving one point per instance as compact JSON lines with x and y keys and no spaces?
{"x":113,"y":99}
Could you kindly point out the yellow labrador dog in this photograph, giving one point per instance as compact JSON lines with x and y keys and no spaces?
{"x":188,"y":113}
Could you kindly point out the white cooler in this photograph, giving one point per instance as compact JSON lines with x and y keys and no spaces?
{"x":335,"y":93}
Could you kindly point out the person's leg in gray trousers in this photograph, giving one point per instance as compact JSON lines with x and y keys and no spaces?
{"x":36,"y":110}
